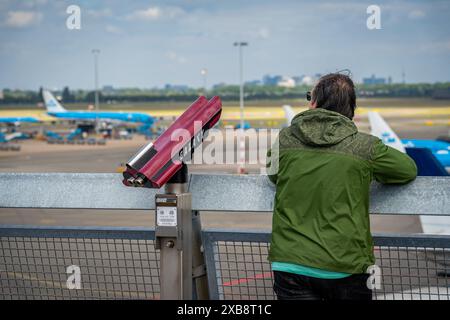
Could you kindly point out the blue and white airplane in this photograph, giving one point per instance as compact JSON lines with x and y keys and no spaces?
{"x":17,"y":120}
{"x":55,"y":109}
{"x":430,"y":156}
{"x":440,"y":150}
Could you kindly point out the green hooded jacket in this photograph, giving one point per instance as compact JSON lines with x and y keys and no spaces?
{"x":322,"y":169}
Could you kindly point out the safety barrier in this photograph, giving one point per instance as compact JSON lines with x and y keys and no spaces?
{"x":122,"y":263}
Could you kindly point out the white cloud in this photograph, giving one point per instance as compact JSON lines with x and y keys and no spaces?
{"x":155,"y":13}
{"x":263,"y":33}
{"x":151,"y":13}
{"x":436,"y":47}
{"x":22,"y":19}
{"x":107,"y":12}
{"x":339,"y":7}
{"x":173,"y":56}
{"x":113,"y":29}
{"x":34,"y":3}
{"x":416,"y":14}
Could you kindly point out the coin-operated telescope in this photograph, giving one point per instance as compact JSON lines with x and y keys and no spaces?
{"x":157,"y":162}
{"x":177,"y":226}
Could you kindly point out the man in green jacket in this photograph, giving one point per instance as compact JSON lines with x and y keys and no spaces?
{"x":322,"y":167}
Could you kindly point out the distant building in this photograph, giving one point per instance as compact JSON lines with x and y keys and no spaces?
{"x":176,"y":87}
{"x":374,"y":80}
{"x":219,"y":85}
{"x":108,"y":89}
{"x":269,"y":80}
{"x":286,"y":82}
{"x":253,"y":83}
{"x":307,"y":80}
{"x":1,"y":95}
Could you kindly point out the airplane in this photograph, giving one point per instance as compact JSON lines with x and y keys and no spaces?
{"x":439,"y":148}
{"x":13,"y":136}
{"x":379,"y":128}
{"x":246,"y":125}
{"x":431,"y":156}
{"x":288,"y":113}
{"x":55,"y":109}
{"x":17,"y":120}
{"x":426,"y":160}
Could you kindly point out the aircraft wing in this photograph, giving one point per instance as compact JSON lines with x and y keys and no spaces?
{"x":381,"y":129}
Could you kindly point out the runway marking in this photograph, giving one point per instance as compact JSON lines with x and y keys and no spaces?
{"x":245,"y":280}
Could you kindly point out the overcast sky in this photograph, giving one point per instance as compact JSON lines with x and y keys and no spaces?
{"x":151,"y":43}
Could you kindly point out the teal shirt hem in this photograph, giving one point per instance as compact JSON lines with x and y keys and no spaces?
{"x":308,"y":271}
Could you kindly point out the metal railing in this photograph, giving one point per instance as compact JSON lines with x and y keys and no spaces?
{"x":122,"y":263}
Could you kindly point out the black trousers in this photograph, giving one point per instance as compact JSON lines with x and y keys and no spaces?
{"x":289,"y":286}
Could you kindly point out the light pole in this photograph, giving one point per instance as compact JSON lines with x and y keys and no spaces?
{"x":204,"y":73}
{"x":241,"y":167}
{"x":96,"y":52}
{"x":241,"y":80}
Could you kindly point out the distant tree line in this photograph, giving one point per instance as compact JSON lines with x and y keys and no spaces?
{"x":226,"y":92}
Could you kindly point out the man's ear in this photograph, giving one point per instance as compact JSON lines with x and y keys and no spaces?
{"x":312,"y":104}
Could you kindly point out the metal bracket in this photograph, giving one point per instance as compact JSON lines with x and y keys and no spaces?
{"x":199,"y":271}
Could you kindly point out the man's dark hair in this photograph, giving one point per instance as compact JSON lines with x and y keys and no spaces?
{"x":335,"y":92}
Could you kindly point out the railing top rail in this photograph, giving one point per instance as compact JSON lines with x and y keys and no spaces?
{"x":210,"y":192}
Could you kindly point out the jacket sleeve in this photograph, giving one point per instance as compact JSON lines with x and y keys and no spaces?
{"x":272,"y":160}
{"x":391,"y":166}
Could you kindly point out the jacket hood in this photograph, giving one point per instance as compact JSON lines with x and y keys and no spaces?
{"x":321,"y":127}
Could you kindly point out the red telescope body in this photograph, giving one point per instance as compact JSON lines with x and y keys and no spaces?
{"x":157,"y":162}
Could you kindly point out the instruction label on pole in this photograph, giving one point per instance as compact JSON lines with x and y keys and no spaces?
{"x":166,"y":216}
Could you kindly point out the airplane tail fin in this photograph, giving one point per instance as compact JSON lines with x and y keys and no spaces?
{"x":288,"y":113}
{"x":51,"y":103}
{"x":380,"y":129}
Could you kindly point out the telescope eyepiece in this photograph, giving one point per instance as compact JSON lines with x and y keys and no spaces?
{"x":139,"y":182}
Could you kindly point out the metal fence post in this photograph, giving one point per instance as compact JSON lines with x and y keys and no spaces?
{"x":200,"y":281}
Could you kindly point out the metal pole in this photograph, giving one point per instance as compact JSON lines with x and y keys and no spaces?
{"x":173,"y":233}
{"x":95,"y":52}
{"x":200,"y":280}
{"x":241,"y":168}
{"x":204,"y":73}
{"x":241,"y":82}
{"x":241,"y":87}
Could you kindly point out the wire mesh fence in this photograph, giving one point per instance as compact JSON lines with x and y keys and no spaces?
{"x":412,"y":267}
{"x":122,"y":263}
{"x":113,"y":264}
